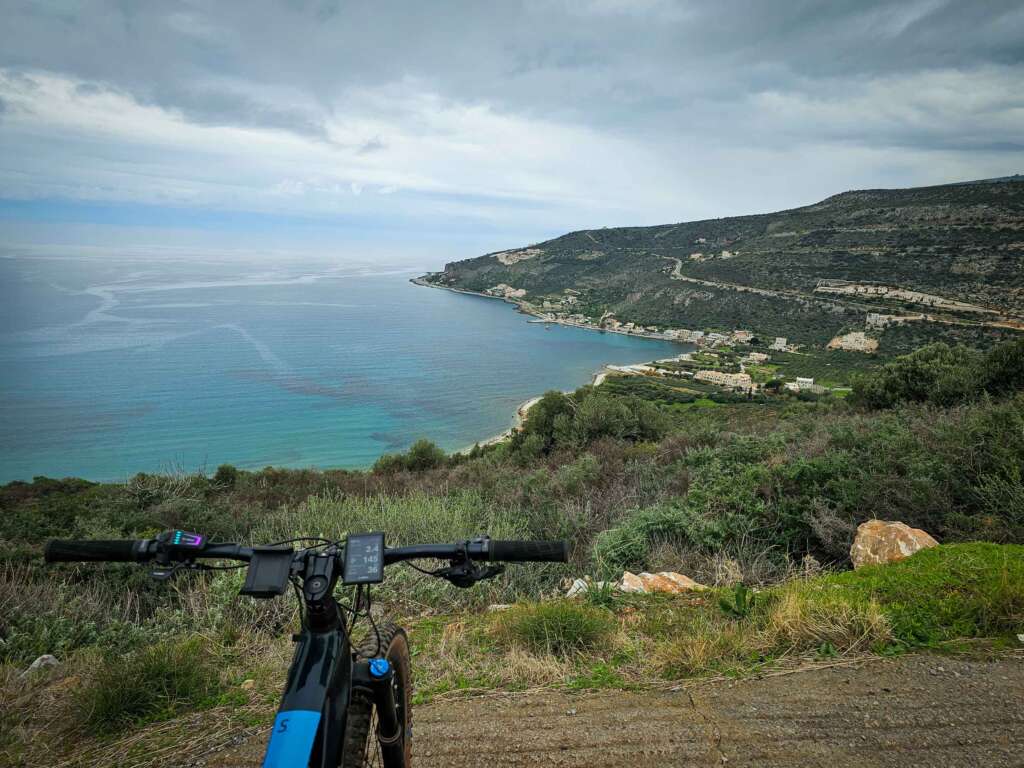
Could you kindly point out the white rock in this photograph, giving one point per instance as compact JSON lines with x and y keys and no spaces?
{"x":580,"y":586}
{"x":46,"y":661}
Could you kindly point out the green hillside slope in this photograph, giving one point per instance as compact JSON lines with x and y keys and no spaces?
{"x":961,"y":244}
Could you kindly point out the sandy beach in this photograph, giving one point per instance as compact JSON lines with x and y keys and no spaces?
{"x":521,"y":412}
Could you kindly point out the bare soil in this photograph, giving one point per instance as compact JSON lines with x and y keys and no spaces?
{"x":922,"y":710}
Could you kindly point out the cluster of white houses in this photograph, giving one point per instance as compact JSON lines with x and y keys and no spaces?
{"x":558,"y":310}
{"x":739,"y":381}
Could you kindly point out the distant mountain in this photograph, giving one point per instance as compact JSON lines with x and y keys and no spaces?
{"x":997,"y":180}
{"x":953,"y":254}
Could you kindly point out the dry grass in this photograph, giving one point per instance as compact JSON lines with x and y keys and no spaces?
{"x":462,"y":657}
{"x":806,"y":616}
{"x":630,"y":640}
{"x":709,"y":645}
{"x":795,"y":619}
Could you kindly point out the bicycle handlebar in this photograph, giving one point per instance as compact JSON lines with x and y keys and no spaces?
{"x":530,"y":551}
{"x":141,"y":550}
{"x":67,"y":551}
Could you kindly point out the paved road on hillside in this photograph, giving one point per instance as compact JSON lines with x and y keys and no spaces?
{"x":920,"y":710}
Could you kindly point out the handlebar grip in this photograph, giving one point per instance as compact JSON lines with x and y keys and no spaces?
{"x":69,"y":551}
{"x":529,"y":551}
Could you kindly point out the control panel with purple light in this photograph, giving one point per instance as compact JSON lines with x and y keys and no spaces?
{"x":183,"y":544}
{"x":186,"y":539}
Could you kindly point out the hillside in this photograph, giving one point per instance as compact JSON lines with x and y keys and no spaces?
{"x":949,"y":257}
{"x":766,"y":491}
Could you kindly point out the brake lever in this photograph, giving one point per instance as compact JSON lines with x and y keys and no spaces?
{"x":166,"y":574}
{"x":467,"y":573}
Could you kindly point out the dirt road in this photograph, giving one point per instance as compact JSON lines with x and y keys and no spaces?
{"x":913,"y":711}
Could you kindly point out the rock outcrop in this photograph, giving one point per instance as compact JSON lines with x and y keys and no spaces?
{"x":666,"y":581}
{"x":881,"y":541}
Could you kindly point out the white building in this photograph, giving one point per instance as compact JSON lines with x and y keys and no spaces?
{"x":857,"y":341}
{"x":779,"y":345}
{"x":740,"y":381}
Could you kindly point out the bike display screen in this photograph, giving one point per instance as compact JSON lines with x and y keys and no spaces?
{"x":364,"y":558}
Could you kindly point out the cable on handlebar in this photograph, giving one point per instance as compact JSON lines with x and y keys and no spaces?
{"x":323,"y":542}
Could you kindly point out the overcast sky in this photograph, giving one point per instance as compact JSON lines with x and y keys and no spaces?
{"x":454,"y":128}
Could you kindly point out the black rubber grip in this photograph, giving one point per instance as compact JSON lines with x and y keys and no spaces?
{"x":529,"y":551}
{"x":67,"y":551}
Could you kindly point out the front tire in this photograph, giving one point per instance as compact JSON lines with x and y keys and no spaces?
{"x":362,"y":747}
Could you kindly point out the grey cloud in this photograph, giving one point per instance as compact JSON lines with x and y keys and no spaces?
{"x":543,"y":56}
{"x":679,"y":77}
{"x":212,"y":106}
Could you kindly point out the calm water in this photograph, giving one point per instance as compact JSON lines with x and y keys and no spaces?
{"x":111,"y":368}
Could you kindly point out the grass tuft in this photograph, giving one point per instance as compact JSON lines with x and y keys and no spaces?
{"x":152,"y":684}
{"x":561,"y":628}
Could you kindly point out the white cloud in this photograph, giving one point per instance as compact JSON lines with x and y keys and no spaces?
{"x":421,"y":156}
{"x":438,"y":154}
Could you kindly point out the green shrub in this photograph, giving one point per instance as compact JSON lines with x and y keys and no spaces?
{"x":422,"y":456}
{"x":936,"y":373}
{"x":1003,"y":368}
{"x":739,"y":603}
{"x":723,"y":507}
{"x":153,"y":683}
{"x":541,"y":419}
{"x":225,"y":477}
{"x":575,"y":421}
{"x":560,"y":627}
{"x":942,"y":375}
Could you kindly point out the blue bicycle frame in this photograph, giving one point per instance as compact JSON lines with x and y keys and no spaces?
{"x":310,"y":725}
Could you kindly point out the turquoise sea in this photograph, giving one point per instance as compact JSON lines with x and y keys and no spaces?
{"x":110,"y":367}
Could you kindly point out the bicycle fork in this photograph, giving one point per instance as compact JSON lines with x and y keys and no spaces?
{"x":377,"y":676}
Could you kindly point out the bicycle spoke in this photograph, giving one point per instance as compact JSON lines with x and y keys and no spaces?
{"x":372,"y":756}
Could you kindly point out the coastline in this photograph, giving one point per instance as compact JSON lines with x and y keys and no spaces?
{"x":597,"y":379}
{"x":530,"y":310}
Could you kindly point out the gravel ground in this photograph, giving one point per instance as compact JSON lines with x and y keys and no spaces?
{"x":921,"y":710}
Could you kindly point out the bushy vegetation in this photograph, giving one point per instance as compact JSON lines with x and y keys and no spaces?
{"x":572,"y":422}
{"x":155,"y":682}
{"x":746,"y":492}
{"x":423,"y":455}
{"x":942,"y":375}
